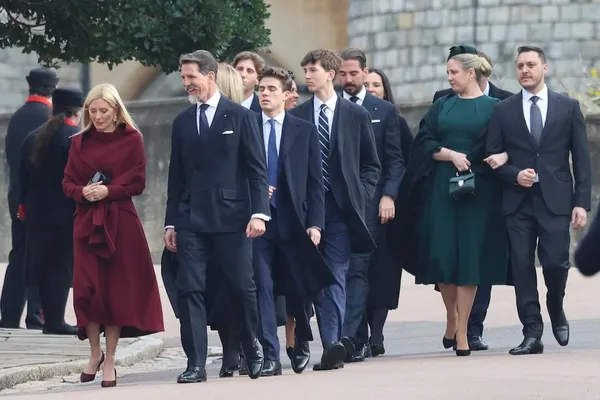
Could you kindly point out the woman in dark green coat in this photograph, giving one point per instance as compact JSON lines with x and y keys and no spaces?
{"x":458,"y":243}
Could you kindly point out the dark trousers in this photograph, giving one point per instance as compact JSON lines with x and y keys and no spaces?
{"x":50,"y":268}
{"x":357,"y":279}
{"x":231,"y":347}
{"x":264,"y":251}
{"x":335,"y":247}
{"x":14,"y":291}
{"x":479,"y":311}
{"x":534,"y":225}
{"x":375,"y":320}
{"x":233,"y":253}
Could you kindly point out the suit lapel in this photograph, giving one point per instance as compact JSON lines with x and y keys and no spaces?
{"x":339,"y":117}
{"x":519,"y":118}
{"x":289,"y":134}
{"x":550,"y":115}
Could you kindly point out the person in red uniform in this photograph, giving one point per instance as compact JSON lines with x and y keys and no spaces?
{"x":114,"y":285}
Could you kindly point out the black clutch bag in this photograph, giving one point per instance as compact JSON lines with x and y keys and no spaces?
{"x":462,"y":185}
{"x":99,"y":177}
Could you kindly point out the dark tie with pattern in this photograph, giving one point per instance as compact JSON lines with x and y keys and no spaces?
{"x":272,"y":159}
{"x":354,"y":99}
{"x":203,"y":126}
{"x":323,"y":128}
{"x":535,"y":120}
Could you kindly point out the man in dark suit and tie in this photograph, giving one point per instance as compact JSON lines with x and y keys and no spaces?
{"x":539,"y":129}
{"x":217,"y":200}
{"x":350,"y":173}
{"x":484,"y":292}
{"x":380,"y":207}
{"x":297,"y":218}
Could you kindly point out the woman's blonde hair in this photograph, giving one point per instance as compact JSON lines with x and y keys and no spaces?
{"x":481,"y":66}
{"x":229,"y":83}
{"x":108,"y":93}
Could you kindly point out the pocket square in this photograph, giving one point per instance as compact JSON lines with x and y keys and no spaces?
{"x":227,"y":133}
{"x":375,"y":121}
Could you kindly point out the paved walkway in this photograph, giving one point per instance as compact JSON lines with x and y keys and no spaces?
{"x":415,"y":366}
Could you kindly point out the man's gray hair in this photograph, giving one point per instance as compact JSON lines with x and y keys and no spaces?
{"x":205,"y":61}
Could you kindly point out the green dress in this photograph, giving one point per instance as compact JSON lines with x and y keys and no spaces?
{"x":462,"y":242}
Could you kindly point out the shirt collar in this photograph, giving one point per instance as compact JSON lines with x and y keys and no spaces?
{"x":213,"y":101}
{"x":361,"y":95}
{"x":543,"y":94}
{"x":486,"y":91}
{"x":329,"y":103}
{"x":279,"y":118}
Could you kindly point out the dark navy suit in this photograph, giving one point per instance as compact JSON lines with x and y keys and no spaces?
{"x":294,"y":166}
{"x":217,"y":182}
{"x":354,"y":171}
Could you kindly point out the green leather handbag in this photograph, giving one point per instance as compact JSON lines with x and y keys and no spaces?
{"x":462,"y":185}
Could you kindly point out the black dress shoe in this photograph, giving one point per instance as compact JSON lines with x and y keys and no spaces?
{"x":333,"y":355}
{"x":300,"y":356}
{"x":362,"y":351}
{"x":62,"y":329}
{"x":271,"y":368}
{"x":528,"y":346}
{"x":290,"y":352}
{"x":243,"y":369}
{"x":349,"y":347}
{"x":318,"y":367}
{"x":34,"y":326}
{"x":377,"y":350}
{"x":476,"y":343}
{"x":255,"y":361}
{"x":560,"y":328}
{"x":227,"y":372}
{"x":192,"y":375}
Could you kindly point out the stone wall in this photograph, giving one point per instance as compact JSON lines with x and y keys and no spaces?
{"x":409,"y":39}
{"x":14,"y":67}
{"x":154,"y":119}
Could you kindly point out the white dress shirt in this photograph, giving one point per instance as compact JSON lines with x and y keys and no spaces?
{"x":361,"y":96}
{"x":267,"y":132}
{"x":247,"y":103}
{"x":486,"y":91}
{"x":331,"y":103}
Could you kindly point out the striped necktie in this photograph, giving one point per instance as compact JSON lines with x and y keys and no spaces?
{"x":323,"y":129}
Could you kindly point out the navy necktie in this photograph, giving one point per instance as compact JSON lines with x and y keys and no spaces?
{"x":354,"y":99}
{"x":535,"y":120}
{"x":203,"y":126}
{"x":323,"y":129}
{"x":272,"y":159}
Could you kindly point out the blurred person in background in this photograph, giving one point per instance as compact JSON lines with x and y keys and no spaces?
{"x":48,"y":211}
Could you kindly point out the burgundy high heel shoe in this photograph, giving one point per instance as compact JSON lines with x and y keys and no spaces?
{"x":83,"y":378}
{"x":106,"y":384}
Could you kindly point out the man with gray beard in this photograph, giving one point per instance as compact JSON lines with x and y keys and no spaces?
{"x":217,"y":200}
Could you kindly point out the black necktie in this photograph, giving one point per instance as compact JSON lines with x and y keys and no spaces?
{"x":535,"y":120}
{"x":354,"y":99}
{"x":203,"y":126}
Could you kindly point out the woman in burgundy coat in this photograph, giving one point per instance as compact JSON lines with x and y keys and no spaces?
{"x":114,"y":285}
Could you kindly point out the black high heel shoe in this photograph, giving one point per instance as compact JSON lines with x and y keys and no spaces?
{"x":447,"y":343}
{"x":463,"y":353}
